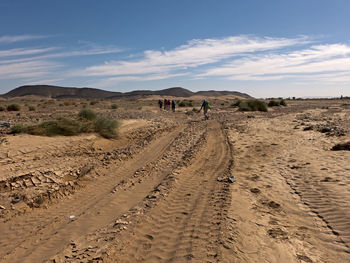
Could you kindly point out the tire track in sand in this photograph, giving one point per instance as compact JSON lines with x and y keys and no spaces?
{"x":41,"y":234}
{"x":186,"y":225}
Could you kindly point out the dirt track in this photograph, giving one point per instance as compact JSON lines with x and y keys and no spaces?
{"x":160,"y":193}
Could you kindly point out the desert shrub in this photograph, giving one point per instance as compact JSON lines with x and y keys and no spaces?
{"x":106,"y":127}
{"x":61,"y":105}
{"x":252,"y":105}
{"x":182,"y":104}
{"x":61,"y":126}
{"x":68,"y":103}
{"x":13,"y":107}
{"x":2,"y":108}
{"x":17,"y":128}
{"x":114,"y":106}
{"x":273,"y":103}
{"x":283,"y":103}
{"x":186,"y":103}
{"x":31,"y":108}
{"x":93,"y":102}
{"x":236,"y":103}
{"x":87,"y":114}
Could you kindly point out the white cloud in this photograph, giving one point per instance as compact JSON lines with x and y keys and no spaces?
{"x":300,"y":64}
{"x":24,"y":51}
{"x":27,"y":69}
{"x":19,"y":38}
{"x":195,"y":53}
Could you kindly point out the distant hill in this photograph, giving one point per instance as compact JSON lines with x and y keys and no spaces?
{"x":64,"y":92}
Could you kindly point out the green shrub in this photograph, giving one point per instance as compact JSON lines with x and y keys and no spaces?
{"x":93,"y":102}
{"x":13,"y":107}
{"x":283,"y":103}
{"x":2,"y":108}
{"x":186,"y":103}
{"x":273,"y":103}
{"x":114,"y":106}
{"x":235,"y":104}
{"x":17,"y":128}
{"x":182,"y":104}
{"x":87,"y":114}
{"x":31,"y":108}
{"x":61,"y":126}
{"x":252,"y":105}
{"x":106,"y":127}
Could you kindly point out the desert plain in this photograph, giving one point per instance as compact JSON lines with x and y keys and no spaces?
{"x":174,"y":187}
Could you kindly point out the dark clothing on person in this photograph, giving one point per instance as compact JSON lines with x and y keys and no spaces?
{"x":173,"y":105}
{"x":160,"y":104}
{"x":206,"y":107}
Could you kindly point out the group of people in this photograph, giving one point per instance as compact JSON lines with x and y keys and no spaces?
{"x":167,"y":104}
{"x":205,"y":106}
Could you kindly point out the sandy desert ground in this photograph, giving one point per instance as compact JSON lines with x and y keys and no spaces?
{"x":161,"y":192}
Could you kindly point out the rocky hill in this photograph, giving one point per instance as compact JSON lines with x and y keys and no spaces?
{"x":68,"y":92}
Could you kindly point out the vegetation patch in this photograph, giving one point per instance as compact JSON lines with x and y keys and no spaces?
{"x":106,"y":127}
{"x":252,"y":105}
{"x":87,"y":114}
{"x":31,"y":108}
{"x":13,"y":107}
{"x":114,"y":106}
{"x":185,"y":103}
{"x":236,"y":103}
{"x":273,"y":103}
{"x":85,"y":123}
{"x":2,"y":108}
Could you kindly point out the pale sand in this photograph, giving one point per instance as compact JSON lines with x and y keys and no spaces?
{"x":153,"y":194}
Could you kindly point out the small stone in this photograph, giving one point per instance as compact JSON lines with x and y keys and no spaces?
{"x":2,"y":207}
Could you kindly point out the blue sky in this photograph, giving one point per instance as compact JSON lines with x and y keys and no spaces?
{"x":263,"y":48}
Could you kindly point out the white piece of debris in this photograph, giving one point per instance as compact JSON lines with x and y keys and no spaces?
{"x":71,"y":217}
{"x":2,"y":207}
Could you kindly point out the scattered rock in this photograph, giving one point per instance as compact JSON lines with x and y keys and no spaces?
{"x":341,"y":147}
{"x":15,"y":200}
{"x":326,"y":179}
{"x":308,"y":128}
{"x":2,"y":207}
{"x":273,"y":204}
{"x":304,"y":258}
{"x":255,"y":190}
{"x":150,"y":237}
{"x":231,"y":179}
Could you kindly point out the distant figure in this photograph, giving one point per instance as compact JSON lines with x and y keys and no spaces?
{"x":173,"y":105}
{"x":206,"y":107}
{"x":160,"y":102}
{"x":165,"y":102}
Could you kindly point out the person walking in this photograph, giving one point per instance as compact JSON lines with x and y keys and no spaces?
{"x":173,"y":105}
{"x":160,"y":103}
{"x":205,"y":106}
